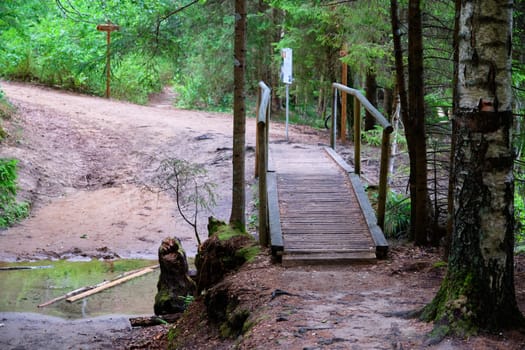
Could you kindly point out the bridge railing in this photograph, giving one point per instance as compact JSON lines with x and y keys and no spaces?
{"x":261,"y":159}
{"x":359,"y":100}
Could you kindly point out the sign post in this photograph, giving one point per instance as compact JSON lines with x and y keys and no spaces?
{"x":108,"y":28}
{"x":287,"y":78}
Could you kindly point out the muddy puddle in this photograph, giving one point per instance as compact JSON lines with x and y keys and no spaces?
{"x":23,"y":290}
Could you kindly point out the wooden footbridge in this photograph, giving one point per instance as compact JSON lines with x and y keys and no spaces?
{"x":313,"y":208}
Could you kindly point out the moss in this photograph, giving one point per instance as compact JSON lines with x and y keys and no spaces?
{"x":440,"y":264}
{"x":235,"y":325}
{"x":214,"y":225}
{"x":247,"y":326}
{"x":222,"y":230}
{"x":3,"y":133}
{"x":248,"y":253}
{"x":451,"y":309}
{"x":162,"y":297}
{"x":173,"y":338}
{"x":227,"y":232}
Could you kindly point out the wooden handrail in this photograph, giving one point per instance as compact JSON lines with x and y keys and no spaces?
{"x":368,"y":106}
{"x":261,"y":159}
{"x":360,"y":100}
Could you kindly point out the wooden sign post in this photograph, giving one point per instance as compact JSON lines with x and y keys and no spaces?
{"x":108,"y":28}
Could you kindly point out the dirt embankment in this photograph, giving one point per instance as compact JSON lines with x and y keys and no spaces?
{"x":87,"y":166}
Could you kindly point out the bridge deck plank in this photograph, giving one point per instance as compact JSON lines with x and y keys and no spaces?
{"x":321,"y":218}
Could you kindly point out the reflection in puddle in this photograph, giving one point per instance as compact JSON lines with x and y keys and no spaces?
{"x":23,"y":290}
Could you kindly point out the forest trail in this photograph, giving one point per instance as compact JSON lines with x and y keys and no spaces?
{"x":86,"y":165}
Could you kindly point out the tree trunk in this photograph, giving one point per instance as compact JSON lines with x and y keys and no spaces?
{"x":371,"y":95}
{"x":237,"y":217}
{"x":277,"y":19}
{"x":413,"y":118}
{"x":416,"y":124}
{"x":478,"y":290}
{"x":388,"y":102}
{"x":455,"y":99}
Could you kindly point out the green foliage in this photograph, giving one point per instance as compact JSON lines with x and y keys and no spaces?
{"x":188,"y":299}
{"x":60,"y":46}
{"x":373,"y":137}
{"x":204,"y":78}
{"x":397,"y":216}
{"x":6,"y":110}
{"x":519,"y":204}
{"x":301,"y":115}
{"x":11,"y":211}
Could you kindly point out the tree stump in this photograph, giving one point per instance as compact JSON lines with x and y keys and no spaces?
{"x":224,"y":251}
{"x":174,"y":282}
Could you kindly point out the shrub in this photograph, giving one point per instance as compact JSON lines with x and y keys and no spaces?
{"x":11,"y":211}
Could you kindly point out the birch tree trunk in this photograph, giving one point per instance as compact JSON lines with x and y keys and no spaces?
{"x":237,"y":217}
{"x":478,"y":291}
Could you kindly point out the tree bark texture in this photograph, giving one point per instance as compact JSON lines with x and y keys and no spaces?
{"x":413,"y":117}
{"x":478,"y":291}
{"x":237,"y":217}
{"x":371,"y":95}
{"x":415,"y":126}
{"x":455,"y":99}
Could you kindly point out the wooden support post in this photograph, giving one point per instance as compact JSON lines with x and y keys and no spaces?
{"x":263,"y":190}
{"x":257,"y":141}
{"x":108,"y":28}
{"x":383,"y":179}
{"x":357,"y":136}
{"x":333,"y":126}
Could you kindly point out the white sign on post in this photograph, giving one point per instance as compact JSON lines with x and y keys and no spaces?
{"x":286,"y":67}
{"x":286,"y":77}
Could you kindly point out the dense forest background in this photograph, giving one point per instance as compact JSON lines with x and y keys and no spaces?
{"x":188,"y":45}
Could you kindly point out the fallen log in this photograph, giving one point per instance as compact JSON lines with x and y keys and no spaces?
{"x":67,"y":295}
{"x":149,"y":321}
{"x":112,"y":283}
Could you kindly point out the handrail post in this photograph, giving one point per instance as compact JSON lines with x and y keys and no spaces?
{"x":357,"y":136}
{"x":383,"y":179}
{"x":385,"y":143}
{"x":333,"y":127}
{"x":257,"y":141}
{"x":263,"y":117}
{"x":263,"y":193}
{"x":267,"y":133}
